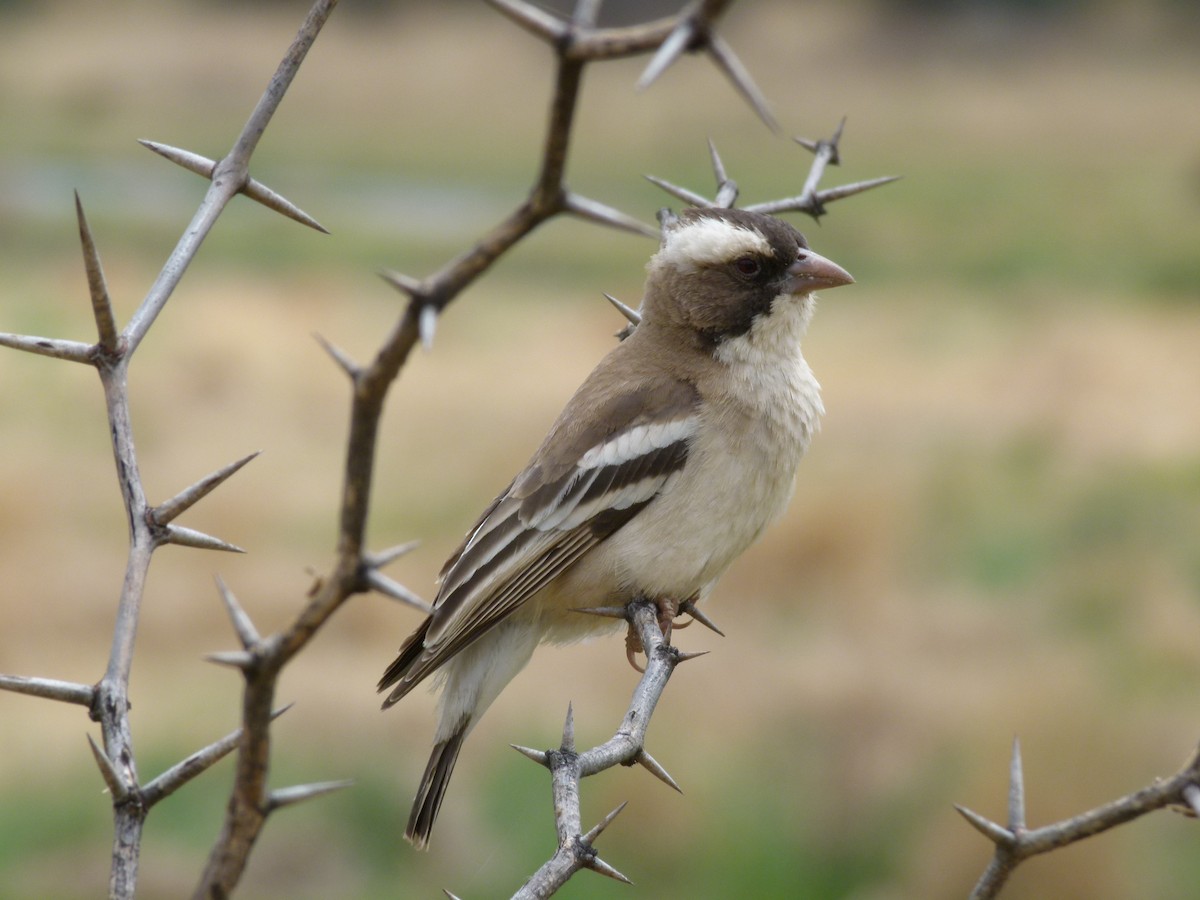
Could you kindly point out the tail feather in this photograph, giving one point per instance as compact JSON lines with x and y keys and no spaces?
{"x":433,"y":788}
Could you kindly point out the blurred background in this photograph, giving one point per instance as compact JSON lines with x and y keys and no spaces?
{"x":997,"y":532}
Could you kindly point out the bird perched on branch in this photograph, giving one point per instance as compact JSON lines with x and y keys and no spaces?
{"x":669,"y":461}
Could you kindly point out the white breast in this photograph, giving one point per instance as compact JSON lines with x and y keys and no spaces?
{"x":741,"y":466}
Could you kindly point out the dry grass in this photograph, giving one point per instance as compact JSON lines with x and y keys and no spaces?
{"x":995,"y":534}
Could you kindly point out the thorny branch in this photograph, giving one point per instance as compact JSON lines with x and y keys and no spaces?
{"x":576,"y":42}
{"x":1015,"y":842}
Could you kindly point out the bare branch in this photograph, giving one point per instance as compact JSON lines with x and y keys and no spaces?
{"x":49,"y":689}
{"x":229,"y":177}
{"x":73,"y":351}
{"x":1016,"y":844}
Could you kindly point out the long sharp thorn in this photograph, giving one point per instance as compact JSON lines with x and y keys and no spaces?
{"x":835,"y":159}
{"x":689,"y":197}
{"x":598,"y":828}
{"x":596,"y":864}
{"x":686,"y":657}
{"x":811,"y":204}
{"x":848,"y":190}
{"x":586,"y":13}
{"x":401,"y":282}
{"x":727,"y":189}
{"x":718,"y":166}
{"x":722,"y":54}
{"x":242,"y":623}
{"x":607,"y":612}
{"x":568,"y":735}
{"x":298,"y":794}
{"x":594,"y":211}
{"x":1191,"y":796}
{"x":450,"y":895}
{"x":385,"y":557}
{"x":651,"y":765}
{"x":102,"y":310}
{"x":189,"y":537}
{"x":808,"y":144}
{"x":1016,"y":790}
{"x":986,"y":827}
{"x":694,"y":611}
{"x":260,"y":193}
{"x":49,"y":689}
{"x":377,"y":581}
{"x":190,"y":496}
{"x":75,"y":351}
{"x":668,"y":51}
{"x":632,"y":315}
{"x":196,"y":764}
{"x":112,"y":778}
{"x":542,"y":24}
{"x":193,"y":162}
{"x":538,"y":756}
{"x":347,"y":365}
{"x":235,"y":659}
{"x":427,"y":324}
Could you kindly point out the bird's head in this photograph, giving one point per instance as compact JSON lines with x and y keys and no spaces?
{"x":719,"y":270}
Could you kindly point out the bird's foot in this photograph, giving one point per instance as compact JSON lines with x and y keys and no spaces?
{"x":669,"y":610}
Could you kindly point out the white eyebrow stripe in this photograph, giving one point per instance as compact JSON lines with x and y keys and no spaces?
{"x":710,"y":241}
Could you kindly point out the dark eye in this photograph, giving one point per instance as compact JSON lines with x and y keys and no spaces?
{"x":747,"y":266}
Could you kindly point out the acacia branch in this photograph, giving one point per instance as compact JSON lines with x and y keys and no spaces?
{"x":1016,"y":843}
{"x":568,"y":768}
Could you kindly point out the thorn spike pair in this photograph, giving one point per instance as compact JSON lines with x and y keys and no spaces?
{"x":692,"y":33}
{"x":255,"y":190}
{"x":1004,"y":837}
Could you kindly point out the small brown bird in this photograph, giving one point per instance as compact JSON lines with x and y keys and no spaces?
{"x":669,"y":461}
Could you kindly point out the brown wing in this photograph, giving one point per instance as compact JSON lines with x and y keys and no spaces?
{"x":581,"y":487}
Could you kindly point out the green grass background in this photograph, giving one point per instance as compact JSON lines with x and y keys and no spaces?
{"x":996,"y":533}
